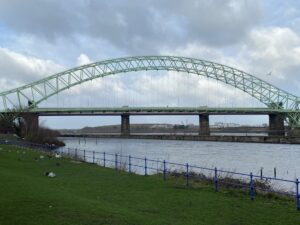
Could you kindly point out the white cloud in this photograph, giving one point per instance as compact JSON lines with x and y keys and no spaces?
{"x":273,"y":48}
{"x":83,"y":59}
{"x":200,"y":51}
{"x":264,"y":50}
{"x":134,"y":26}
{"x":18,"y":69}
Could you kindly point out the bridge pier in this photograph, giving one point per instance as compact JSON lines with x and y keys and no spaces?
{"x":125,"y":125}
{"x":31,"y":121}
{"x":276,"y":125}
{"x":204,"y":124}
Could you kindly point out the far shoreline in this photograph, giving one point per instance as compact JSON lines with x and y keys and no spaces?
{"x":217,"y":138}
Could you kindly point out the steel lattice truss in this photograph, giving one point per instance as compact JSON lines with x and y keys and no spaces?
{"x":41,"y":90}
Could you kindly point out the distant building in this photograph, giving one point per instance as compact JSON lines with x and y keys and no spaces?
{"x":161,"y":126}
{"x":223,"y":125}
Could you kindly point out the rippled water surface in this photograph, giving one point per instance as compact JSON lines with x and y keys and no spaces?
{"x":240,"y":157}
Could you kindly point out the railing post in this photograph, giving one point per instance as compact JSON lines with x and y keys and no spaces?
{"x":129,"y":163}
{"x":83,"y":154}
{"x":187,"y":174}
{"x":297,"y":195}
{"x":116,"y":161}
{"x":145,"y":166}
{"x":68,"y":152}
{"x":164,"y":170}
{"x":93,"y":157}
{"x":261,"y":173}
{"x":251,"y":187}
{"x":75,"y":153}
{"x":104,"y":159}
{"x":216,"y":180}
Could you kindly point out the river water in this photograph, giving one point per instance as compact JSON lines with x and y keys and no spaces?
{"x":239,"y":157}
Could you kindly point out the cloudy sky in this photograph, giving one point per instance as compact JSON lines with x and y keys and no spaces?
{"x":41,"y":37}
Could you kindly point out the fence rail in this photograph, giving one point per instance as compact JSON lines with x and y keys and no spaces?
{"x":146,"y":166}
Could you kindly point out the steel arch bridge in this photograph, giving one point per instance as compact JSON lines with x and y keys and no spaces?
{"x":37,"y":92}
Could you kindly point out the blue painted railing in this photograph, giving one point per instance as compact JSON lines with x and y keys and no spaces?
{"x":145,"y":166}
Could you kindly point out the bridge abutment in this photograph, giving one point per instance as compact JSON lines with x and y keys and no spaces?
{"x":125,"y":125}
{"x":204,"y":124}
{"x":276,"y":125}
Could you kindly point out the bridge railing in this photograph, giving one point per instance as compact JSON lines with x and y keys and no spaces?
{"x":182,"y":173}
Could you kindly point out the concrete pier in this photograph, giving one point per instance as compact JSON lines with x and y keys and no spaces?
{"x":276,"y":125}
{"x":125,"y":125}
{"x":204,"y":124}
{"x":31,"y":121}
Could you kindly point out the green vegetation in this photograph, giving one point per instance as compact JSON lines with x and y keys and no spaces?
{"x":83,"y":193}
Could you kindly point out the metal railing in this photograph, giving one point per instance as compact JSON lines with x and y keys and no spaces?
{"x":218,"y":178}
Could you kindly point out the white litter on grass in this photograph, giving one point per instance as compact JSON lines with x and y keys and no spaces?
{"x":41,"y":157}
{"x":50,"y":174}
{"x":57,"y":156}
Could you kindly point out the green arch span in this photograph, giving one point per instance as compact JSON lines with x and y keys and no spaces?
{"x":266,"y":93}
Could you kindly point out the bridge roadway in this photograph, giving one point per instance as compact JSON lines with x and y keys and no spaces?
{"x":276,"y":116}
{"x":155,"y":111}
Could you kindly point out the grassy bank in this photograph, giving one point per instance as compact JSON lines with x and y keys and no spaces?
{"x":88,"y":194}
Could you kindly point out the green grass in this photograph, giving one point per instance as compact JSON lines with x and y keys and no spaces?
{"x":88,"y":194}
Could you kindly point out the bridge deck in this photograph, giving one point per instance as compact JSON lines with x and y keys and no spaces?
{"x":155,"y":111}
